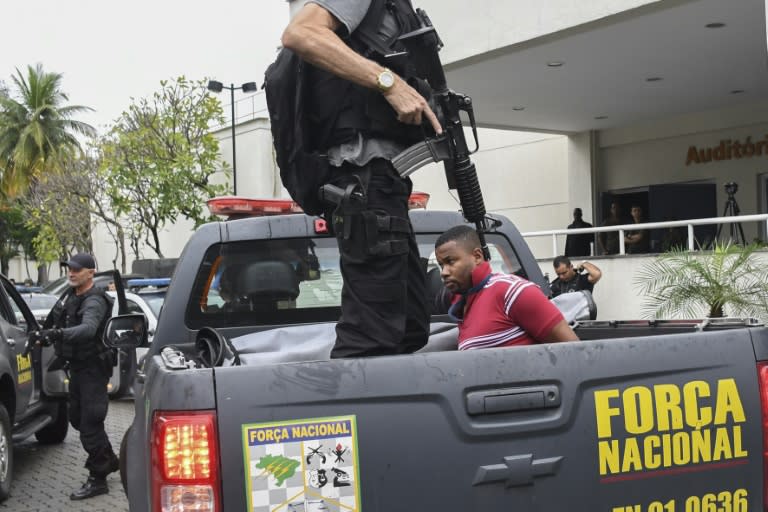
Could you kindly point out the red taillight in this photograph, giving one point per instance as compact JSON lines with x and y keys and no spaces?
{"x":185,"y":462}
{"x":762,"y":374}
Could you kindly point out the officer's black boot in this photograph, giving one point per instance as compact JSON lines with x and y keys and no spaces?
{"x":94,"y":486}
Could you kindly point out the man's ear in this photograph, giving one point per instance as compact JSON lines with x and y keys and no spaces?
{"x":477,"y":254}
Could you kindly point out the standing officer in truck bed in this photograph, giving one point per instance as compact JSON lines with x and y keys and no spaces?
{"x":371,"y":114}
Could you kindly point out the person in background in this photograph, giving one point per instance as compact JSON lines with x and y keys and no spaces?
{"x":609,"y":241}
{"x":578,"y":245}
{"x":493,"y":310}
{"x":583,"y":277}
{"x":636,"y":241}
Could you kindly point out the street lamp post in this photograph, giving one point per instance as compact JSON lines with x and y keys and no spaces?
{"x":215,"y":86}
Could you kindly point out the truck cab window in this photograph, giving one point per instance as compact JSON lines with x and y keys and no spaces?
{"x":286,"y":281}
{"x":11,"y":310}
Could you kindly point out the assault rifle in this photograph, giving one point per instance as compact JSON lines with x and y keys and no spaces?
{"x":450,"y":147}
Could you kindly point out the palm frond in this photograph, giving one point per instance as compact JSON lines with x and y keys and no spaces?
{"x":37,"y":128}
{"x":684,"y":284}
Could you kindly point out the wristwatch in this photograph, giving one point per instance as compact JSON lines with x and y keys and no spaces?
{"x":386,"y":80}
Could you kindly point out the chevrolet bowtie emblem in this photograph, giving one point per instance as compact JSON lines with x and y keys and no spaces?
{"x":517,"y":470}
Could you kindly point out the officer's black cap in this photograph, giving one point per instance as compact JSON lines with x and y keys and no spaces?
{"x":79,"y":261}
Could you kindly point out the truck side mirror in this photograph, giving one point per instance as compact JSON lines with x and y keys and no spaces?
{"x":126,"y":331}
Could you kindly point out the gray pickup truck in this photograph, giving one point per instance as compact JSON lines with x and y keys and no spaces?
{"x":239,"y":407}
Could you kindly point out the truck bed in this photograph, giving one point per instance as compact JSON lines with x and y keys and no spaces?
{"x":599,"y":425}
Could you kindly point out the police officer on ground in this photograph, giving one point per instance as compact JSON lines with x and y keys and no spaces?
{"x":370,"y":114}
{"x":77,"y":337}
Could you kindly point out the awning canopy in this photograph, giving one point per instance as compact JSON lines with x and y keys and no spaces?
{"x":653,"y":62}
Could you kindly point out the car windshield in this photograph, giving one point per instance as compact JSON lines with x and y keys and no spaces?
{"x":56,"y":287}
{"x":40,"y":301}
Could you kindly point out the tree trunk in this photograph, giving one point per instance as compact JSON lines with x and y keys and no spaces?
{"x":121,"y":242}
{"x":42,"y":274}
{"x":156,"y":246}
{"x":716,"y":311}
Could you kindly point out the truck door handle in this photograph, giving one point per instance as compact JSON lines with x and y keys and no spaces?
{"x":11,"y":342}
{"x":512,"y":399}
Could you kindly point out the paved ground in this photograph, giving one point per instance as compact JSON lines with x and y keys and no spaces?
{"x":45,"y":475}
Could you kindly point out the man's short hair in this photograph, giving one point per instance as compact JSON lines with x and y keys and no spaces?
{"x":561,"y":260}
{"x":463,"y":235}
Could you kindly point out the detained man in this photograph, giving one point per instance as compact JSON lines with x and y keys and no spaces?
{"x":494,"y":310}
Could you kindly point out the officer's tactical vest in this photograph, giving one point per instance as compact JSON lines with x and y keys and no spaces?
{"x":73,"y":315}
{"x":311,"y":110}
{"x":338,"y":110}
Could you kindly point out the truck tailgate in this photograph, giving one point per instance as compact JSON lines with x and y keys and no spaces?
{"x":666,"y":423}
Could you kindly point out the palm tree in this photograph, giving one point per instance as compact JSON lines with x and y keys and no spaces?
{"x":36,"y":129}
{"x":729,"y":281}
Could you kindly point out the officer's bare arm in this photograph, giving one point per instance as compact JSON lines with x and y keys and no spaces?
{"x":311,"y":34}
{"x":593,"y":272}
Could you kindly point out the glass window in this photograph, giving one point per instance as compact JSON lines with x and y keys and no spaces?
{"x":287,"y":281}
{"x":40,"y":301}
{"x":133,"y":306}
{"x":18,"y":316}
{"x":15,"y":315}
{"x":154,"y":301}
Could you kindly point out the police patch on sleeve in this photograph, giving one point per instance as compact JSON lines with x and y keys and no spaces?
{"x":305,"y":465}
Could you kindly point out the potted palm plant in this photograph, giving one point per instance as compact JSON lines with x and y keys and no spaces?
{"x":729,"y":281}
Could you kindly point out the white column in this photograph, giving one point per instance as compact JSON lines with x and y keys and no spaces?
{"x":580,"y":164}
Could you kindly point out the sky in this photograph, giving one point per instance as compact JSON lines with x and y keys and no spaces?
{"x":109,"y":51}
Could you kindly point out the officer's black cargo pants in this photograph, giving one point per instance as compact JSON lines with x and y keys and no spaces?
{"x":383,"y":306}
{"x":88,"y":403}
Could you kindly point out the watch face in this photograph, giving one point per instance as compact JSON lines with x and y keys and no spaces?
{"x":386,"y":79}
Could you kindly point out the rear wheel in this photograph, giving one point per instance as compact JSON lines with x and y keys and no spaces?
{"x":6,"y":454}
{"x":124,"y":460}
{"x":56,"y":431}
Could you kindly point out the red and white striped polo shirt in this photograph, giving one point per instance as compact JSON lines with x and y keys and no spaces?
{"x":507,"y":311}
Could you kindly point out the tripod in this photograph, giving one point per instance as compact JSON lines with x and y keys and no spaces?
{"x":732,"y":210}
